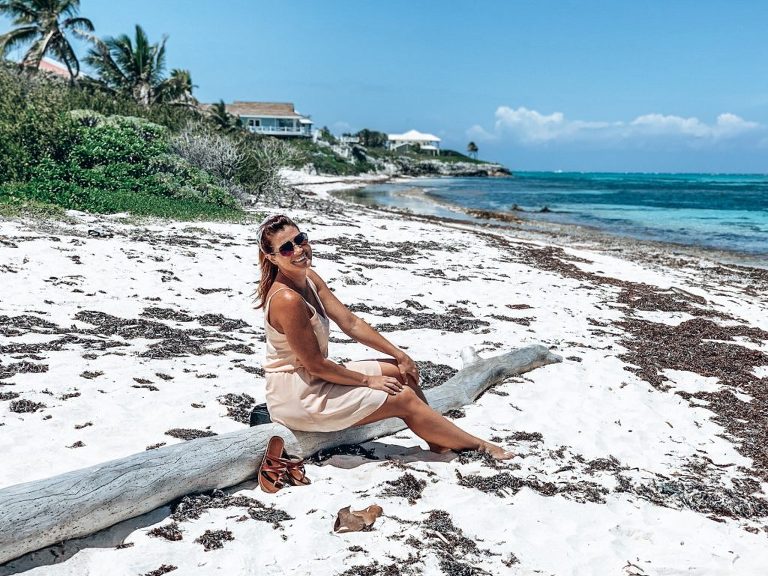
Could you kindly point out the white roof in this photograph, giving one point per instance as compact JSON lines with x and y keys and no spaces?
{"x":414,"y":136}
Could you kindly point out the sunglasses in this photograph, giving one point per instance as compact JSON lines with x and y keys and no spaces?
{"x":288,"y":248}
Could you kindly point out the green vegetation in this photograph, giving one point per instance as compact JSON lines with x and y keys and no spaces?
{"x":325,"y":160}
{"x":51,"y":153}
{"x":117,"y":164}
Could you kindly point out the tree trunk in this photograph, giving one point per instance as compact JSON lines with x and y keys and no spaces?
{"x":40,"y":513}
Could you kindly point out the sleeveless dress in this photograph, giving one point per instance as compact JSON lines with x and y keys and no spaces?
{"x":300,"y":401}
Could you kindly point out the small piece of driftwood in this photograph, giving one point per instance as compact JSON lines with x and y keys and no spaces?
{"x":43,"y":512}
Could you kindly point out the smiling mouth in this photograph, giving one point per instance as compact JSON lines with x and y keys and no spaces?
{"x":300,"y":260}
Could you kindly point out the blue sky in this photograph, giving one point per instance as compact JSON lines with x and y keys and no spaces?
{"x":659,"y":85}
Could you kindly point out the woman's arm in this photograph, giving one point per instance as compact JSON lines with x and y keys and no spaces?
{"x":288,"y":312}
{"x":358,"y":329}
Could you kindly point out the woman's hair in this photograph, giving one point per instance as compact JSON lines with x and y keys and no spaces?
{"x":268,"y":228}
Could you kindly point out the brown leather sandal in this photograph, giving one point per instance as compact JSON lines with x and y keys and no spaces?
{"x":297,"y":476}
{"x":273,"y":472}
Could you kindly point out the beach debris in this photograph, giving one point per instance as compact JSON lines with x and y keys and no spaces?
{"x":91,"y":375}
{"x":432,"y":374}
{"x":169,"y":532}
{"x":407,"y":486}
{"x":164,"y":569}
{"x":78,"y":444}
{"x":212,"y":290}
{"x":214,"y":539}
{"x":189,"y":433}
{"x":239,"y":406}
{"x":81,"y":426}
{"x":194,"y":506}
{"x":8,"y":395}
{"x":373,"y":569}
{"x":348,"y":520}
{"x":23,"y":367}
{"x":154,"y":446}
{"x":23,"y":406}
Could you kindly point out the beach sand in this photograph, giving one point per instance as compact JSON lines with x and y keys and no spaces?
{"x":642,"y":453}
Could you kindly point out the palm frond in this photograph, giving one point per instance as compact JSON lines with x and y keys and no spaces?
{"x":21,"y":11}
{"x":17,"y":38}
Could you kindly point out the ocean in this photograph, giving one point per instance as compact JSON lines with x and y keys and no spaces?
{"x":720,"y":211}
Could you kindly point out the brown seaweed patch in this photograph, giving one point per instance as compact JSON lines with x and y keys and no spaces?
{"x":431,"y":374}
{"x":166,"y":314}
{"x":213,"y":539}
{"x":505,"y":484}
{"x":189,"y":433}
{"x":163,"y":569}
{"x":23,"y":406}
{"x":239,"y":406}
{"x":407,"y":486}
{"x":524,"y":321}
{"x":169,"y":532}
{"x":525,"y":437}
{"x":706,"y":348}
{"x":192,"y":507}
{"x":23,"y":367}
{"x":373,"y":569}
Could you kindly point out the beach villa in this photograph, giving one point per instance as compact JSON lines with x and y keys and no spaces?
{"x":428,"y":143}
{"x":271,"y":118}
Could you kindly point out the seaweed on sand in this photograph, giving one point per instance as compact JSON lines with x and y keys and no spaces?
{"x":170,"y":532}
{"x":189,"y":433}
{"x":407,"y":486}
{"x":163,"y":569}
{"x":213,"y":539}
{"x":193,"y":506}
{"x":239,"y":406}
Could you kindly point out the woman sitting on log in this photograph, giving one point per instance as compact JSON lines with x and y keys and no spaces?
{"x":306,"y":391}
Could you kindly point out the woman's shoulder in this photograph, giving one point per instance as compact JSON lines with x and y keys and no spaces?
{"x":282,"y":295}
{"x":315,"y":278}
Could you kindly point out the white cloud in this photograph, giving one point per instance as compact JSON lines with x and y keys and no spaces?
{"x":530,"y":127}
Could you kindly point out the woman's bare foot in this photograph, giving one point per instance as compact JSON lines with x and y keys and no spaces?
{"x":496,"y":452}
{"x":437,"y":449}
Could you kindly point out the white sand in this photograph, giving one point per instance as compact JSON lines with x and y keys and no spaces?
{"x":592,"y":408}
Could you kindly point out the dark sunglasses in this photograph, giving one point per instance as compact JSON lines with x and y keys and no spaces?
{"x":288,"y":248}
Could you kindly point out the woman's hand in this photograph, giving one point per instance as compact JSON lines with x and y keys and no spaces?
{"x":408,"y":368}
{"x":388,"y":384}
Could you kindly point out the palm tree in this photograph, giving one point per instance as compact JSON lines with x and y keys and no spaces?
{"x":472,"y":150}
{"x":222,"y":119}
{"x":44,"y":24}
{"x":137,"y":68}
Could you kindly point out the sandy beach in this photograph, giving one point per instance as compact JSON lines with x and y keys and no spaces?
{"x":642,"y":453}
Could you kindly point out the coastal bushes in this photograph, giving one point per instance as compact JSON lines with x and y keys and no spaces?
{"x":113,"y":164}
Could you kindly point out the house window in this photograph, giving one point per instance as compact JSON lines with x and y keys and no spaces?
{"x":254,"y":122}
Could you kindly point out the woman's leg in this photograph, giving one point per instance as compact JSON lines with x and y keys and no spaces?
{"x":389,"y":368}
{"x":431,"y":426}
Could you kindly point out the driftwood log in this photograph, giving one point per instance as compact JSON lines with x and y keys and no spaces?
{"x":43,"y":512}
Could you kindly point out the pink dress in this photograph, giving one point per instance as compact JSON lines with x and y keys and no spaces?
{"x":300,"y":401}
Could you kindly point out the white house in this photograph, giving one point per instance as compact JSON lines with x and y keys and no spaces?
{"x":426,"y":142}
{"x":271,"y":118}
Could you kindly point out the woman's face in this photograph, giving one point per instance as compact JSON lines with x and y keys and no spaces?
{"x":300,"y":256}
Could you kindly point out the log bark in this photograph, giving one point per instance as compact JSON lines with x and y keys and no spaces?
{"x":37,"y":514}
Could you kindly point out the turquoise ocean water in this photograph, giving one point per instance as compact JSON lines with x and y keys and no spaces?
{"x":722,"y":211}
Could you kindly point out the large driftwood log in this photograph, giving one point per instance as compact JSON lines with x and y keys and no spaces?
{"x":40,"y":513}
